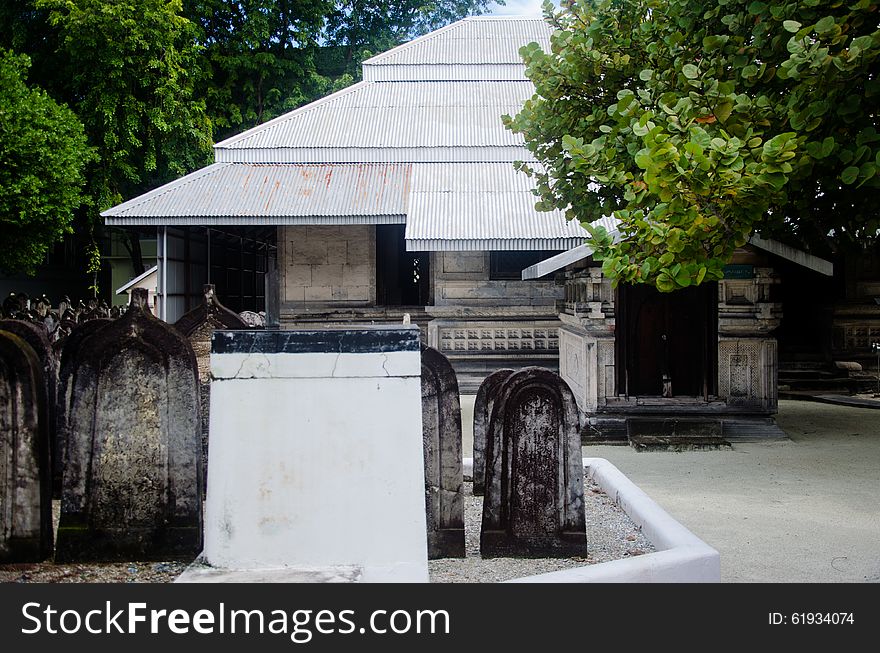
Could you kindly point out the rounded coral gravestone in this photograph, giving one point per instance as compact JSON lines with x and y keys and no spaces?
{"x":534,"y":505}
{"x":131,"y":487}
{"x":441,"y":439}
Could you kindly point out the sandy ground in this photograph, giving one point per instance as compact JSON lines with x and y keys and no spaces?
{"x":805,"y":510}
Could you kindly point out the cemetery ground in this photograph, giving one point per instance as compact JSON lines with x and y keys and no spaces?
{"x":803,"y":510}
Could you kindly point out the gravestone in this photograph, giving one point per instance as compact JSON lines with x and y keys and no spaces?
{"x":197,"y":326}
{"x":131,"y":486}
{"x":485,"y":399}
{"x":441,"y":438}
{"x":35,"y":335}
{"x":25,"y":476}
{"x":534,"y":502}
{"x":67,"y":366}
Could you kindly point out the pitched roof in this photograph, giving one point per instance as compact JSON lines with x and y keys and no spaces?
{"x":432,"y":106}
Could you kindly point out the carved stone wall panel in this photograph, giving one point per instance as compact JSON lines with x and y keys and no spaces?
{"x":747,"y":372}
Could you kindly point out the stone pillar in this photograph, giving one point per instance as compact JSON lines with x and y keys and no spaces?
{"x":747,"y":351}
{"x":586,"y":339}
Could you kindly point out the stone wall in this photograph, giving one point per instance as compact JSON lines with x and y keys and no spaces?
{"x":462,"y":279}
{"x":327,"y":265}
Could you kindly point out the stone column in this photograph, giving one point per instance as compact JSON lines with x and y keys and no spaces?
{"x":747,"y":351}
{"x":586,"y":339}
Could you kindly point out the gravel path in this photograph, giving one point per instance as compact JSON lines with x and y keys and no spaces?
{"x":611,"y":535}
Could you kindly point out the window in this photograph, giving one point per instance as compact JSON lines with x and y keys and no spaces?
{"x":510,"y":264}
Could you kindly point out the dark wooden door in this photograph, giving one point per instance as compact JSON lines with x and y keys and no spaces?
{"x":667,"y":342}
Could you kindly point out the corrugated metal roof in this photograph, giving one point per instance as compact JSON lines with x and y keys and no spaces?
{"x":477,"y":40}
{"x":464,"y":194}
{"x":399,"y":115}
{"x":445,"y":72}
{"x":375,"y":154}
{"x":481,"y":203}
{"x":264,"y":191}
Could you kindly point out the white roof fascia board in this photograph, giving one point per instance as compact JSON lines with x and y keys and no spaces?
{"x":137,"y":280}
{"x":793,"y":254}
{"x":488,"y":244}
{"x":253,"y":221}
{"x":556,"y":262}
{"x":782,"y":250}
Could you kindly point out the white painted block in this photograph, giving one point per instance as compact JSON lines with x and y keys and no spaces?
{"x":315,"y":458}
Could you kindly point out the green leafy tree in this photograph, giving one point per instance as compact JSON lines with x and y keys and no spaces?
{"x":258,"y":57}
{"x":128,"y":71}
{"x":696,"y":123}
{"x":42,"y":155}
{"x":361,"y":28}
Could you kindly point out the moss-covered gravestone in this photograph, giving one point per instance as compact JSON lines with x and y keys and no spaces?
{"x":132,"y":486}
{"x":534,"y":501}
{"x":67,"y":366}
{"x":25,"y":471}
{"x":441,"y":437}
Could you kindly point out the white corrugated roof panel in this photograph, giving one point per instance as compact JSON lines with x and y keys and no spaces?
{"x":228,"y":190}
{"x":477,"y":40}
{"x":481,"y":206}
{"x":391,"y":116}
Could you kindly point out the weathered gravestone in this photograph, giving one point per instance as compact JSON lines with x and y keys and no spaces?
{"x":38,"y":339}
{"x":67,"y":367}
{"x":197,"y":326}
{"x":534,"y":503}
{"x":132,"y":473}
{"x":441,"y":437}
{"x":25,"y":476}
{"x":485,"y":399}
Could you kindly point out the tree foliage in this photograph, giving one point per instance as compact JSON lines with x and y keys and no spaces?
{"x":697,"y":122}
{"x":257,"y":57}
{"x":264,"y":57}
{"x":42,"y":154}
{"x":128,"y":75}
{"x":153,"y":81}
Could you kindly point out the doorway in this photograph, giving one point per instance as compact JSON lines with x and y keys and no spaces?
{"x":402,"y":277}
{"x":667,"y":343}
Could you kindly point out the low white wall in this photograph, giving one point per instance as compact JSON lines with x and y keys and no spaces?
{"x":316,"y":460}
{"x":681,"y":556}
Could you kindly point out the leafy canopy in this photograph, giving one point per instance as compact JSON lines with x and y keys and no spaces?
{"x":697,"y":122}
{"x":42,"y":154}
{"x":128,"y":76}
